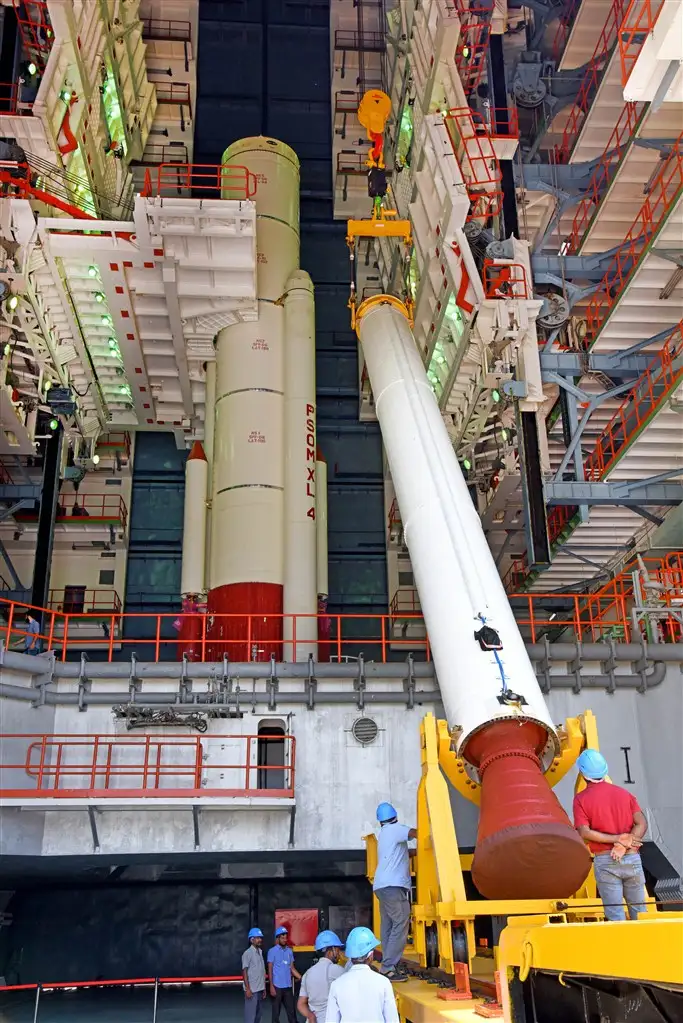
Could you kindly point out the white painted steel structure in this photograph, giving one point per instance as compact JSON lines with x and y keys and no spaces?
{"x":128,"y":310}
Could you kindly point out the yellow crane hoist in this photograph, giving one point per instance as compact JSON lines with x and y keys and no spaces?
{"x":373,"y":112}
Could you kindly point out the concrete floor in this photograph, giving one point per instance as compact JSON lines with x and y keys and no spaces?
{"x":201,"y":1005}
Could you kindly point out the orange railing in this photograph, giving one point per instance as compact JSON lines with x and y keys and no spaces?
{"x":470,"y":55}
{"x":564,"y":25}
{"x":593,"y":616}
{"x":85,"y":601}
{"x":476,"y":156}
{"x":504,"y":280}
{"x":664,"y":192}
{"x":86,"y":508}
{"x":11,"y":101}
{"x":639,"y":406}
{"x":64,"y":766}
{"x":230,"y":181}
{"x":591,"y":80}
{"x":601,"y":177}
{"x":639,"y":20}
{"x":35,"y":29}
{"x":116,"y":441}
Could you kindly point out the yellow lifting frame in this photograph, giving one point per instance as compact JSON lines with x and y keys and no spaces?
{"x":441,"y":898}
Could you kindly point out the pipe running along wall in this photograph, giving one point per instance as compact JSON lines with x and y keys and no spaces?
{"x":526,"y":845}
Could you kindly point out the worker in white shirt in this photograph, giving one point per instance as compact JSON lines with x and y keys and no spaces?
{"x":361,"y":995}
{"x":392,"y":885}
{"x":315,"y":983}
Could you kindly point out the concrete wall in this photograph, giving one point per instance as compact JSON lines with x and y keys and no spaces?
{"x":339,"y":782}
{"x":21,"y":832}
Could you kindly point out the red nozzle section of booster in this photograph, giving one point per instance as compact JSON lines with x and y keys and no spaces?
{"x":526,"y":846}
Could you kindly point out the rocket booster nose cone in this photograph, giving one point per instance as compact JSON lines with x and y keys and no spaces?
{"x":526,"y":846}
{"x":197,"y":452}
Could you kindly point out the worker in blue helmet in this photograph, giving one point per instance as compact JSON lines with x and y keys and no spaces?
{"x":315,"y":984}
{"x":392,"y":886}
{"x":610,"y":820}
{"x":361,"y":995}
{"x":253,"y":976}
{"x":281,"y":972}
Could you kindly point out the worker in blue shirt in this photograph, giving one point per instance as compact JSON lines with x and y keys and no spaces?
{"x":281,"y":970}
{"x":392,"y":887}
{"x":32,"y":637}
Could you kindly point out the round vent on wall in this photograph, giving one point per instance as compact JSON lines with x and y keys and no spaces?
{"x":364,"y":730}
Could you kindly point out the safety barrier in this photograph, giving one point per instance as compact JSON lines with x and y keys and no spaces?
{"x":115,"y":442}
{"x":471,"y":53}
{"x":86,"y":509}
{"x":473,"y":148}
{"x":66,"y":766}
{"x":11,"y":101}
{"x":35,"y":29}
{"x":119,"y":996}
{"x":565,"y":22}
{"x":624,"y":130}
{"x":230,"y":181}
{"x":639,"y":407}
{"x":502,"y":279}
{"x":590,"y":80}
{"x":639,"y":20}
{"x":663,"y":194}
{"x":375,"y":636}
{"x":74,"y":599}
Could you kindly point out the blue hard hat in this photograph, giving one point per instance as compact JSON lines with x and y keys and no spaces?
{"x":255,"y":932}
{"x":386,"y":812}
{"x":281,"y":930}
{"x":360,"y":943}
{"x":327,"y":939}
{"x":592,"y":765}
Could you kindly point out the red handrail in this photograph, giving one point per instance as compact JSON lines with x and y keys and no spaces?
{"x":230,"y":181}
{"x":473,"y":148}
{"x":375,"y":637}
{"x":663,"y":194}
{"x":591,"y":80}
{"x":470,"y":55}
{"x":35,"y":29}
{"x":639,"y":20}
{"x":623,"y":132}
{"x":153,"y":766}
{"x":90,"y":508}
{"x":57,"y":985}
{"x":90,"y":600}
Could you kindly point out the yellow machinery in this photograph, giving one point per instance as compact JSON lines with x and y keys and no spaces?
{"x":476,"y":955}
{"x":525,"y":961}
{"x":373,"y":111}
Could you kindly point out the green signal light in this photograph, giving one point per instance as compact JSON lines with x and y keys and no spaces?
{"x":467,"y":465}
{"x":53,"y":424}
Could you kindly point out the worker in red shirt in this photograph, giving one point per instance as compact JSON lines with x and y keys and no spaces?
{"x":609,"y":819}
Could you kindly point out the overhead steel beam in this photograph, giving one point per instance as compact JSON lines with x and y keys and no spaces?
{"x":626,"y":494}
{"x":577,"y":364}
{"x":20,"y":492}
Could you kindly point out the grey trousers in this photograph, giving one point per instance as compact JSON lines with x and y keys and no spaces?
{"x":394,"y":905}
{"x":253,"y":1006}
